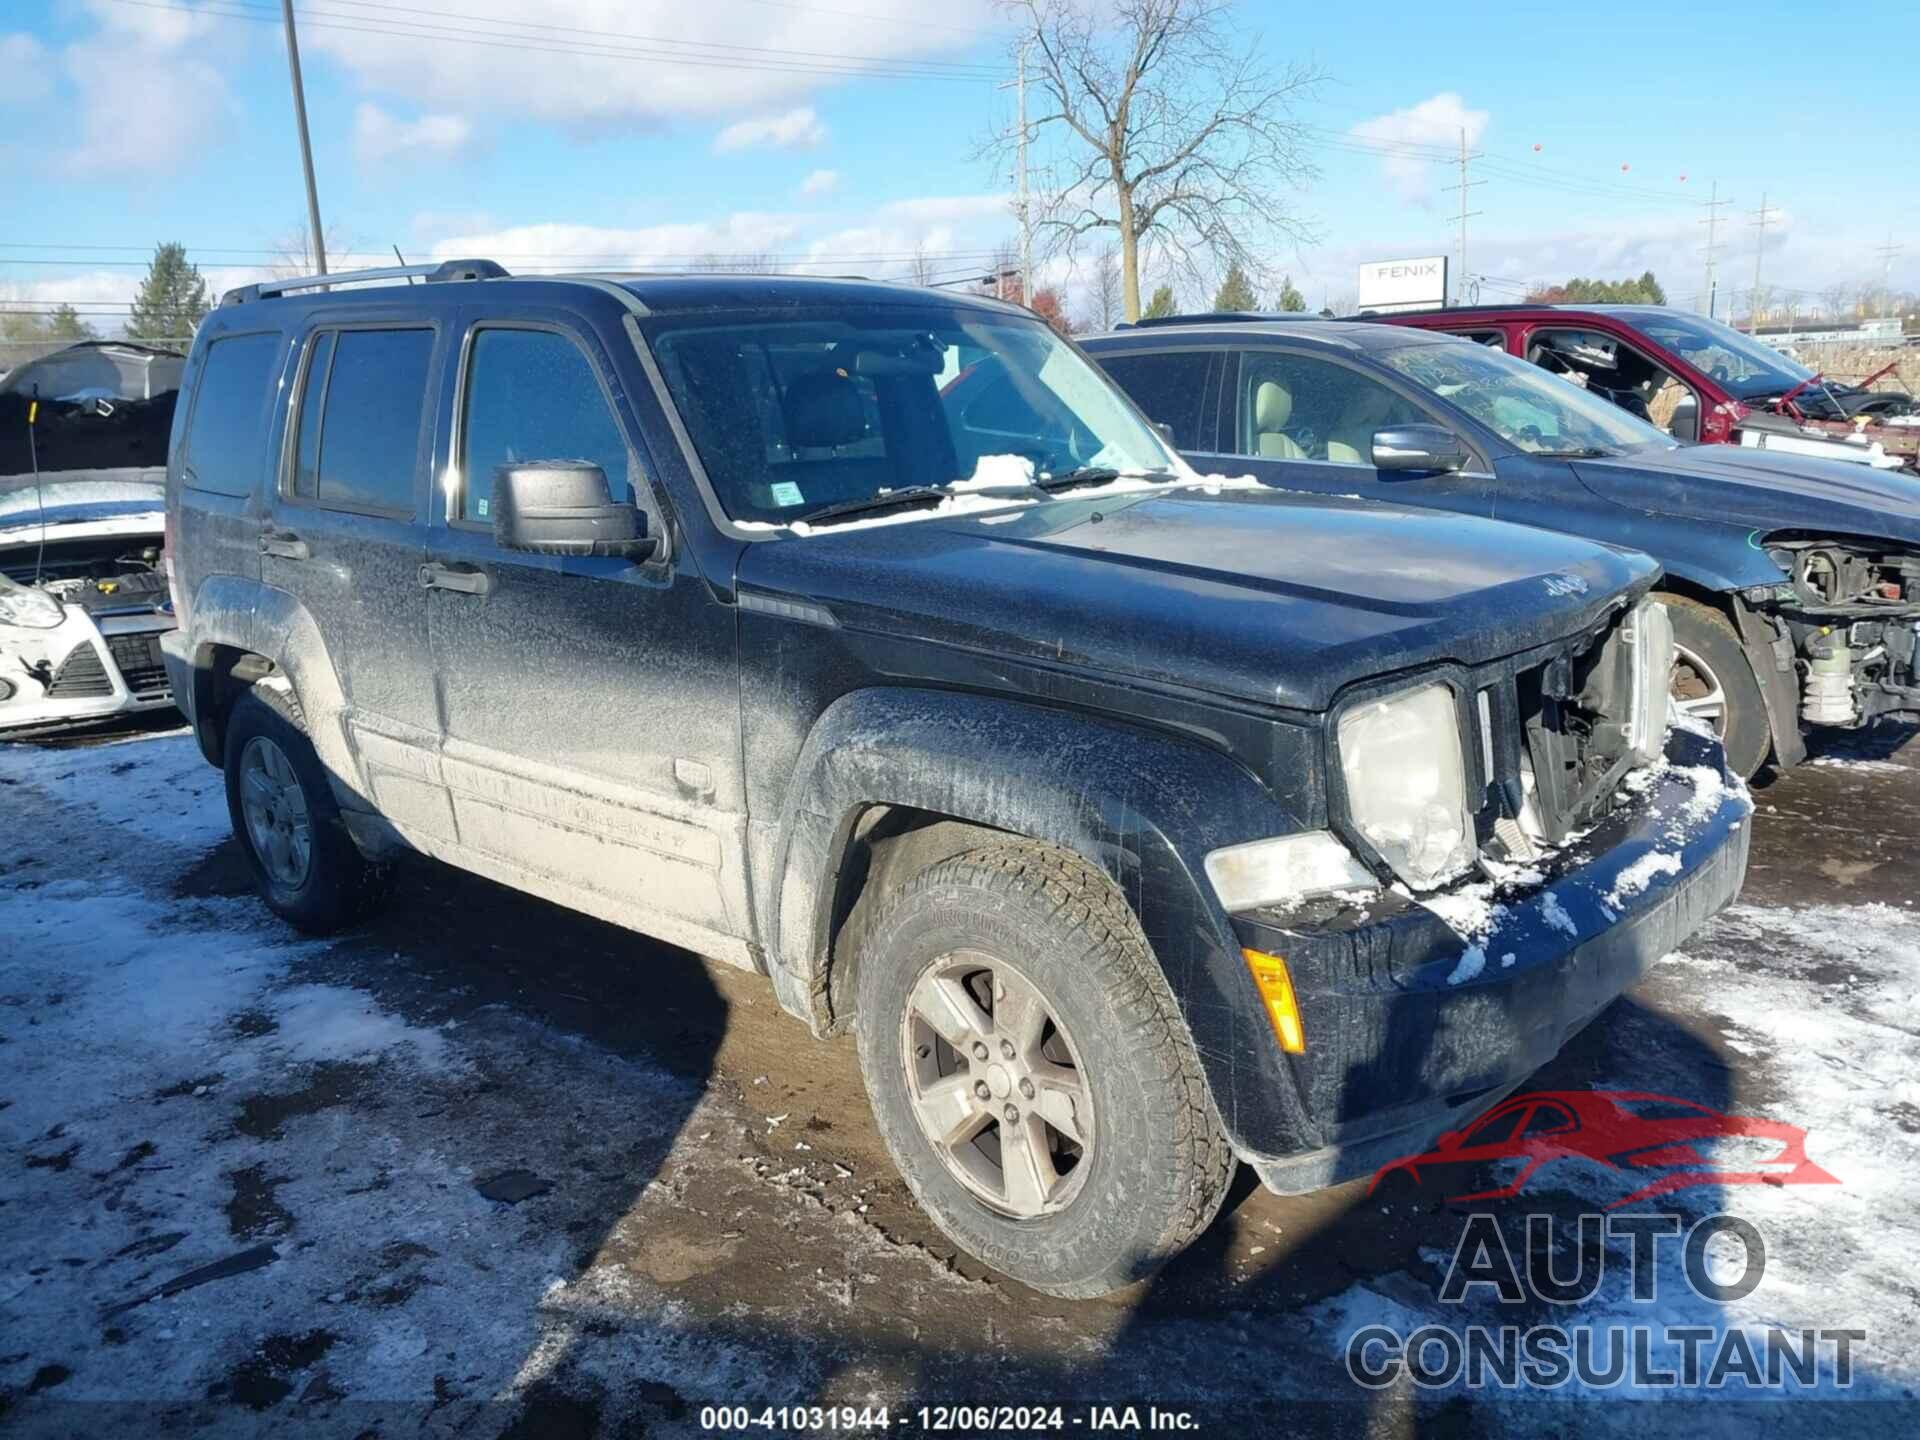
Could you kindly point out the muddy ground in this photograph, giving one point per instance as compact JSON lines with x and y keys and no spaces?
{"x":487,"y":1166}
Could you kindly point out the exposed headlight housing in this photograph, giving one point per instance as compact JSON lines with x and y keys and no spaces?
{"x":1285,"y":871}
{"x":1649,"y":630}
{"x":27,"y":608}
{"x":1406,"y":779}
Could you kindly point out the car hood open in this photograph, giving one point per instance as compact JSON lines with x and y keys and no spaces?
{"x":1261,"y":596}
{"x":1734,"y":485}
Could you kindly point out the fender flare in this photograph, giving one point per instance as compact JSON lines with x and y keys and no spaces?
{"x":1143,"y":807}
{"x":229,"y":610}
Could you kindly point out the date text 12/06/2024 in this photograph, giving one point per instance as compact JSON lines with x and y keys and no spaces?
{"x":948,"y":1419}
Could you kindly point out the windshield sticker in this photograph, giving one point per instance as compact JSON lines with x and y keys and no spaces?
{"x":786,"y":493}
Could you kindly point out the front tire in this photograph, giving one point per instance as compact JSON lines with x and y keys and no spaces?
{"x":1030,"y":1074}
{"x":1713,"y":681}
{"x":304,"y":863}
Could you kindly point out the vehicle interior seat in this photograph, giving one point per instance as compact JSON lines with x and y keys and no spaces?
{"x":1272,"y":408}
{"x":1351,"y":441}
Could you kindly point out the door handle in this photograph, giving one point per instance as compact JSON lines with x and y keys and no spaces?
{"x":466,"y":579}
{"x":285,"y":544}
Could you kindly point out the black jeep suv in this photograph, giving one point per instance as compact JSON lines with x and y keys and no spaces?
{"x":1136,"y":820}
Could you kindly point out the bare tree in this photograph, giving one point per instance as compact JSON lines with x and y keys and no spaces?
{"x":1169,"y":132}
{"x":920,"y":267}
{"x":293,"y":252}
{"x":1105,"y":289}
{"x":1836,"y":302}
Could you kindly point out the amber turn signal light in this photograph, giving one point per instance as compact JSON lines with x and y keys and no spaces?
{"x":1275,"y":985}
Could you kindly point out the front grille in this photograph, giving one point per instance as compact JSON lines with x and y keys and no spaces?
{"x":81,"y":676}
{"x":138,"y":658}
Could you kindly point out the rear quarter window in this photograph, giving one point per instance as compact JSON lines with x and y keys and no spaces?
{"x":226,"y":435}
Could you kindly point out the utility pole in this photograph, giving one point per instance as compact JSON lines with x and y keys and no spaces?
{"x":306,"y":145}
{"x":1026,"y":212}
{"x":1023,"y":208}
{"x":1460,"y":286}
{"x":1712,"y":249}
{"x":1886,"y":253}
{"x":1761,"y":217}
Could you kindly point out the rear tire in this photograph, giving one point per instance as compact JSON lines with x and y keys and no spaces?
{"x":1133,"y":1163}
{"x":304,"y":863}
{"x":1714,"y":680}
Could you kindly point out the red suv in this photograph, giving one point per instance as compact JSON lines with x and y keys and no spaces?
{"x":1697,"y":379}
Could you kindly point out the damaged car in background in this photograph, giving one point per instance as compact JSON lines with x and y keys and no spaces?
{"x":83,"y":600}
{"x":1699,"y":379}
{"x":1793,"y":582}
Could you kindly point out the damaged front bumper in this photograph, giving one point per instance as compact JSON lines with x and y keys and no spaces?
{"x":1413,"y":1027}
{"x":90,"y":667}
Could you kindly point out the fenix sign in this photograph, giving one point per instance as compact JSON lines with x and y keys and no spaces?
{"x":1411,"y":284}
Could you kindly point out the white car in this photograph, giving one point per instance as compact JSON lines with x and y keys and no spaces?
{"x":83,"y":600}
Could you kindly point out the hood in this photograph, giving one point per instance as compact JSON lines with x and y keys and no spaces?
{"x":1730,"y":484}
{"x":1260,"y":596}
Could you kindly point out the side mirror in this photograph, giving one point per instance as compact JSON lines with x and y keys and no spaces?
{"x":1424,"y":449}
{"x":565,"y":507}
{"x":1166,"y":432}
{"x":1685,"y":424}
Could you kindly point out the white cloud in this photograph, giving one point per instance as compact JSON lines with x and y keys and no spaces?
{"x":797,"y":129}
{"x":585,"y":247}
{"x":151,"y":87}
{"x":820,"y":182}
{"x":27,"y":67}
{"x":1434,"y":122}
{"x":600,"y":65}
{"x":380,"y":138}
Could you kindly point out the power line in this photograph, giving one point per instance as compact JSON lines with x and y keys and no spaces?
{"x":1460,"y":290}
{"x":847,"y":67}
{"x":1761,"y":218}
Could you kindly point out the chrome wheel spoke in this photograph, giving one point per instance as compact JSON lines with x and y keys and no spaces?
{"x":944,"y":1004}
{"x":1019,"y":1013}
{"x":1061,"y":1099}
{"x":1028,"y":1168}
{"x":949,"y":1111}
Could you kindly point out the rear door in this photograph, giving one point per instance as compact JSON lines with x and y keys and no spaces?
{"x":221,"y":456}
{"x":344,"y":539}
{"x":591,"y":703}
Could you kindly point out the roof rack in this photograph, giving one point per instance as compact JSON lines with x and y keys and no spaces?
{"x":1218,"y":317}
{"x":440,"y":271}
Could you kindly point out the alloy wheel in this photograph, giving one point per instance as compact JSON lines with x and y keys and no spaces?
{"x":997,"y":1085}
{"x":278,"y":822}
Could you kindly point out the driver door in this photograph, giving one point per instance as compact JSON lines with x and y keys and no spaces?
{"x":1305,"y":422}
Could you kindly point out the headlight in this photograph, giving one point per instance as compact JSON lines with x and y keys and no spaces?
{"x":1649,"y":630}
{"x":1407,"y":783}
{"x":1285,"y":871}
{"x":29,"y":609}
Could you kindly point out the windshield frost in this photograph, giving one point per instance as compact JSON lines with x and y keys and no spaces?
{"x":1522,"y":403}
{"x":799,"y":414}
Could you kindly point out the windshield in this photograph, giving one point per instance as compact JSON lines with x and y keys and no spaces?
{"x":822,"y":409}
{"x":1746,"y":367}
{"x":1522,"y":403}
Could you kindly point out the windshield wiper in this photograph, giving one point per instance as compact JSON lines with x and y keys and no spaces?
{"x":912,"y":497}
{"x":1093,"y":475}
{"x":1578,"y":452}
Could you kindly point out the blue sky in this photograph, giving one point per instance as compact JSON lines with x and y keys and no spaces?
{"x":127,"y":122}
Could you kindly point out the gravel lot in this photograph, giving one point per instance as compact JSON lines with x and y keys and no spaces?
{"x":488,"y":1166}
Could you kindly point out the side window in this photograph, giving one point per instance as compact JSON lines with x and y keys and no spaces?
{"x":1171,"y":389}
{"x":1492,"y":339}
{"x":361,"y":408}
{"x":1547,"y":1120}
{"x":227,"y":435}
{"x":1299,"y":407}
{"x":1497,"y":1129}
{"x":533,"y":395}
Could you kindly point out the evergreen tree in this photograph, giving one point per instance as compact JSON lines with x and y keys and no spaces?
{"x":65,"y":324}
{"x":172,"y":299}
{"x":1291,"y":300}
{"x":1160,"y":306}
{"x":1235,"y":292}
